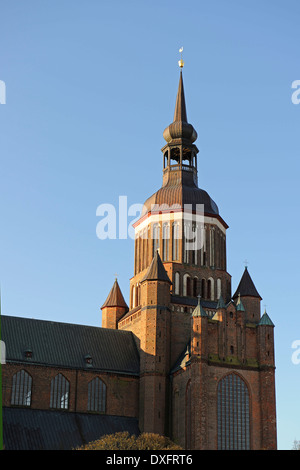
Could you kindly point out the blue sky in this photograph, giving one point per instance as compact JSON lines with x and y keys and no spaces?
{"x":90,"y":87}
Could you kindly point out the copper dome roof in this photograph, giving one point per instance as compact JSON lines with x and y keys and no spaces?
{"x":177,"y":196}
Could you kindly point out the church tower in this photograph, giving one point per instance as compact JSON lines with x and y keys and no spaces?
{"x":207,"y":366}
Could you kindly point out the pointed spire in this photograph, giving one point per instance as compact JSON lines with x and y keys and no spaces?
{"x":156,"y":270}
{"x":180,"y":128}
{"x":115,"y":297}
{"x":239,"y":305}
{"x":180,"y":108}
{"x":246,"y":286}
{"x":266,"y":320}
{"x":199,"y":310}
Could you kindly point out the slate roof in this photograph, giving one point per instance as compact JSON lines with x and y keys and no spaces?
{"x":183,"y":359}
{"x":115,"y":297}
{"x":29,"y":429}
{"x":246,"y":286}
{"x":199,"y":310}
{"x":66,"y":345}
{"x":192,"y":301}
{"x":156,"y":270}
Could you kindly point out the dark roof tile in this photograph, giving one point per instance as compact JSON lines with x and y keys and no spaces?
{"x":66,"y":345}
{"x":29,"y":429}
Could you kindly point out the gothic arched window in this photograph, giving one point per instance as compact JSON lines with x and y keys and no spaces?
{"x":210,"y":289}
{"x":97,"y":395}
{"x":219,"y":286}
{"x":21,"y":389}
{"x":187,"y":285}
{"x":177,"y":283}
{"x":195,"y":287}
{"x":203,"y":291}
{"x":59,"y":395}
{"x":233,"y":406}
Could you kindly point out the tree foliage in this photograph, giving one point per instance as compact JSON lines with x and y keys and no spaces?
{"x":296,"y":445}
{"x":125,"y":441}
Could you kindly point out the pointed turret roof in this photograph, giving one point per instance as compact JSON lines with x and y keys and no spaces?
{"x":156,"y":270}
{"x":246,"y":286}
{"x":115,"y":297}
{"x":199,"y":310}
{"x":266,"y":320}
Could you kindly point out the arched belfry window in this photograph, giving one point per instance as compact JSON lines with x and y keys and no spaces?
{"x":97,"y":395}
{"x":21,"y":389}
{"x":59,"y":395}
{"x":233,"y":413}
{"x":175,"y":155}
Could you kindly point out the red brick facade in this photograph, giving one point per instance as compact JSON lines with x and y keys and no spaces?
{"x":207,"y":369}
{"x":121,"y":397}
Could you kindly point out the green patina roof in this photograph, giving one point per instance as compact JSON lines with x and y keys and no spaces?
{"x":266,"y":320}
{"x":239,"y":305}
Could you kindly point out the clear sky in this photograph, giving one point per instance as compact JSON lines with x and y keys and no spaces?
{"x":90,"y":87}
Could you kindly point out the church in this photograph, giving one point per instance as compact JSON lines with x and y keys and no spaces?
{"x":189,"y":357}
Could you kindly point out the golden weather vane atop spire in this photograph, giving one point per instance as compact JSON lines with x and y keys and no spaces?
{"x":180,"y":62}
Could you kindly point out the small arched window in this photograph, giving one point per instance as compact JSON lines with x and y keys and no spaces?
{"x":177,"y":283}
{"x":59,"y":394}
{"x":133,"y":297}
{"x":218,"y":288}
{"x":21,"y":389}
{"x":97,"y":395}
{"x":203,"y":290}
{"x":186,"y":285}
{"x":210,"y":289}
{"x":195,"y":287}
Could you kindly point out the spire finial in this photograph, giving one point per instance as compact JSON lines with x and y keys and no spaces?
{"x":180,"y":62}
{"x":246,"y":263}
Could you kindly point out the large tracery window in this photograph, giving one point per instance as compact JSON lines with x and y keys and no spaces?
{"x":233,"y":414}
{"x":21,"y":389}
